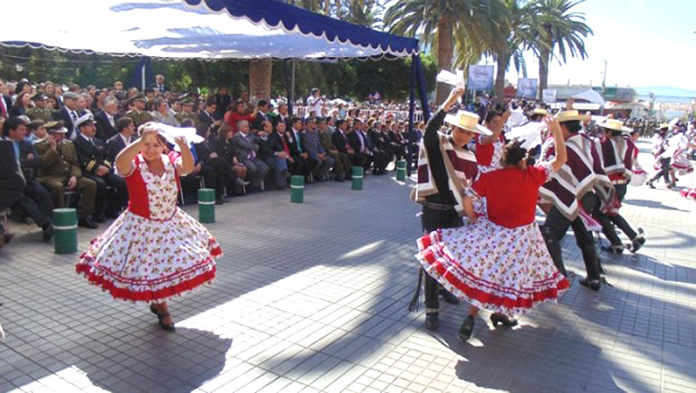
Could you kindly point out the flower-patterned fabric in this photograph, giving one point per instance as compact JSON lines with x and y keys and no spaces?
{"x":492,"y":267}
{"x":150,"y":260}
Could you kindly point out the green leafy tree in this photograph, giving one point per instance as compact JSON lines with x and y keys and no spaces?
{"x":470,"y":25}
{"x":563,"y":31}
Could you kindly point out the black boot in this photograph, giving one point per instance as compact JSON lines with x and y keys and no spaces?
{"x":467,"y":329}
{"x":431,"y":322}
{"x":448,"y":297}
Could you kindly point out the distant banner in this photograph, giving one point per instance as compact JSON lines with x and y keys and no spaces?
{"x":527,"y":87}
{"x":480,"y":77}
{"x":549,"y":96}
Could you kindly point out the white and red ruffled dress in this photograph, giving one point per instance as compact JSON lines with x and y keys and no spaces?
{"x":153,"y":250}
{"x":500,"y":263}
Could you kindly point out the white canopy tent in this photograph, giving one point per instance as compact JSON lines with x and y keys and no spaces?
{"x":174,"y":29}
{"x":590,"y":96}
{"x":202,"y":29}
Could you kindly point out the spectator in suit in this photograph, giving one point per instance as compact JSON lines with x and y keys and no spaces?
{"x":60,"y":170}
{"x":321,"y":161}
{"x":5,"y":101}
{"x":208,"y":117}
{"x":340,"y":140}
{"x":107,"y":118}
{"x":282,"y":115}
{"x":69,"y":113}
{"x":247,"y":147}
{"x":163,"y":114}
{"x":126,"y":129}
{"x":222,"y":145}
{"x":280,"y":138}
{"x":381,"y":144}
{"x":275,"y":153}
{"x":216,"y":171}
{"x":261,"y":114}
{"x":159,"y":84}
{"x":341,"y":164}
{"x":12,"y":182}
{"x":92,"y":155}
{"x":294,"y":139}
{"x":222,"y":102}
{"x":35,"y":201}
{"x":356,"y":140}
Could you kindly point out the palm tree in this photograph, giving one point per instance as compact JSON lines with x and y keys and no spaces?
{"x":468,"y":24}
{"x":560,"y":29}
{"x":517,"y":35}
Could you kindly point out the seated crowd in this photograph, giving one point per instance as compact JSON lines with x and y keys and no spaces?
{"x":64,"y":144}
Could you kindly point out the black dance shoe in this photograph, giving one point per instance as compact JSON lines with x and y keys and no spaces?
{"x":47,"y":233}
{"x":448,"y":297}
{"x":637,"y":241}
{"x":467,"y":328}
{"x":431,"y":322}
{"x":497,"y":318}
{"x":592,"y":284}
{"x":87,"y":222}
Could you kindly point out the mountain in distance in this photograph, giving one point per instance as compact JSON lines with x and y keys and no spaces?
{"x":665,"y":91}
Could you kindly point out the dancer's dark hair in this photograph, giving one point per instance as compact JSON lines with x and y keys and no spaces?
{"x":513,"y":153}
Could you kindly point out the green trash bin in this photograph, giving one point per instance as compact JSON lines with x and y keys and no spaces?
{"x":65,"y":230}
{"x":297,"y":189}
{"x":206,"y":205}
{"x":357,"y":176}
{"x":401,"y":170}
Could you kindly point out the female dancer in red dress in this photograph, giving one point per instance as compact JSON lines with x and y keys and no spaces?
{"x":499,"y":262}
{"x":154,"y":250}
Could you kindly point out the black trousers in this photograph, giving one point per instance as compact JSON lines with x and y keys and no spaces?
{"x":664,"y":170}
{"x":608,"y":221}
{"x":35,"y":202}
{"x":432,"y":220}
{"x":555,"y":228}
{"x":105,"y":203}
{"x":217,"y":173}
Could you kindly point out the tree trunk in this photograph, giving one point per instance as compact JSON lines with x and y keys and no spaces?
{"x":444,"y":55}
{"x":260,"y":77}
{"x":544,"y":58}
{"x":338,"y":9}
{"x":502,"y":64}
{"x":327,"y":7}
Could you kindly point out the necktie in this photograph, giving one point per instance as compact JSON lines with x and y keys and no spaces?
{"x":252,"y":154}
{"x":111,"y":121}
{"x":2,"y":106}
{"x":297,"y":141}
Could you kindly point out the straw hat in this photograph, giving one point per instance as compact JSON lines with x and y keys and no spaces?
{"x":539,"y":111}
{"x":570,"y":116}
{"x":614,"y":125}
{"x":663,"y":126}
{"x":467,"y":121}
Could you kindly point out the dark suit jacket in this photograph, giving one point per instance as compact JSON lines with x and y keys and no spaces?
{"x":276,"y":142}
{"x":378,"y":139}
{"x":91,"y":156}
{"x":62,"y":114}
{"x":260,"y":117}
{"x":292,"y":143}
{"x":114,"y":145}
{"x":104,"y":128}
{"x":11,"y":178}
{"x":29,"y":165}
{"x":204,"y":118}
{"x":354,"y":141}
{"x":339,"y":141}
{"x":203,"y":150}
{"x":8,"y":104}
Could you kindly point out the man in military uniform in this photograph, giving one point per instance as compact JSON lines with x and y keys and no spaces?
{"x":138,"y":113}
{"x":187,"y":112}
{"x":60,"y":169}
{"x":40,"y":111}
{"x":92,"y":155}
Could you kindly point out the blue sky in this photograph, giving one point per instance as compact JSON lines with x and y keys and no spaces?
{"x":645,"y":43}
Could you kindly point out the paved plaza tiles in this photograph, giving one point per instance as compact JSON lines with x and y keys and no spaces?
{"x":312,"y":298}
